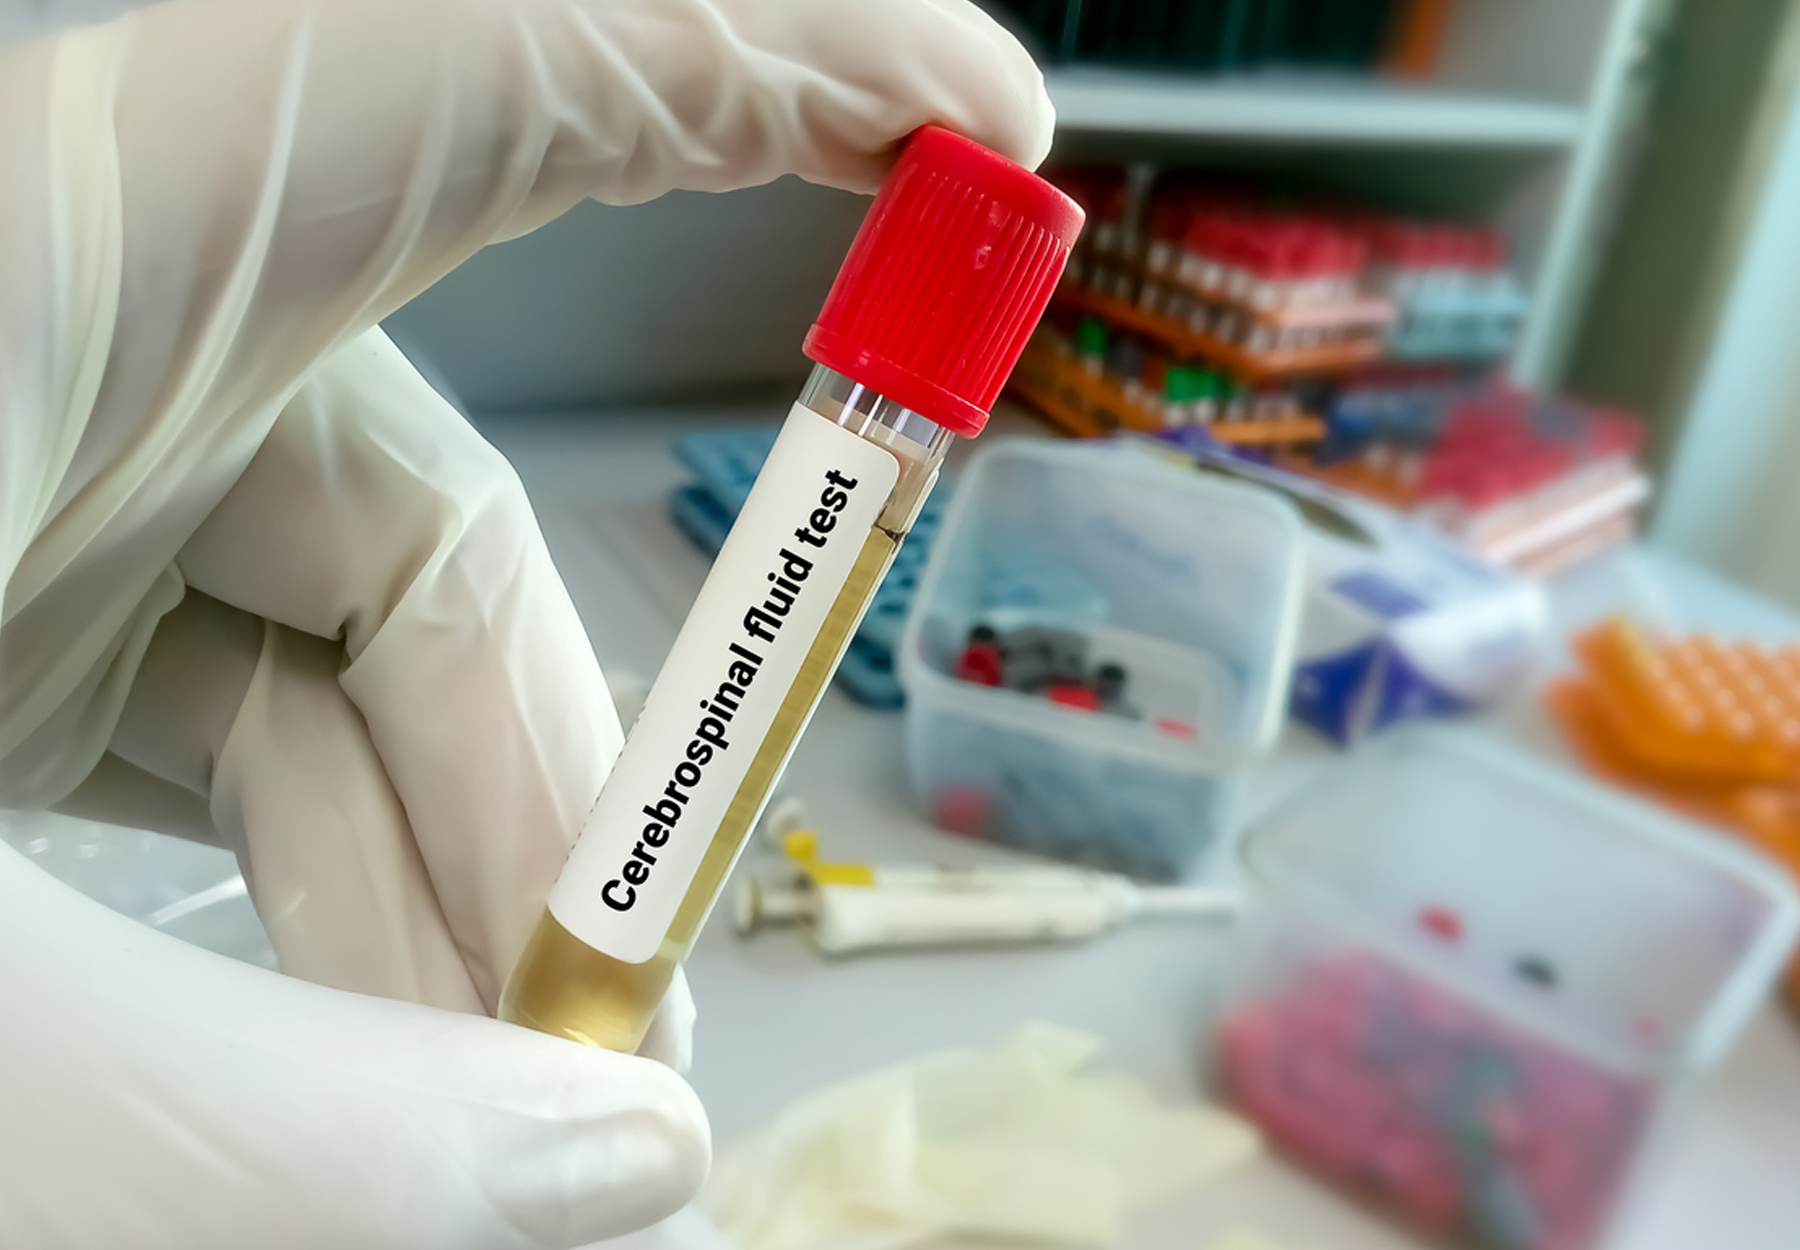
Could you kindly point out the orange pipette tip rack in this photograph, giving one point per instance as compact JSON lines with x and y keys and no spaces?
{"x":1710,"y":730}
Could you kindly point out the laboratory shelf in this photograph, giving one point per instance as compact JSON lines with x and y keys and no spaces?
{"x":1263,"y":366}
{"x":1300,"y":108}
{"x":1054,"y":404}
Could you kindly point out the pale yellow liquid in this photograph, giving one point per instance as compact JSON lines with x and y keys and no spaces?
{"x":566,"y":987}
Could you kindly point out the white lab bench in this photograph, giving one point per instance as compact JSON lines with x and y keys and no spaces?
{"x":777,"y":1020}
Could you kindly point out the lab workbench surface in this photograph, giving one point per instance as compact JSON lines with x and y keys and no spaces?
{"x":777,"y":1020}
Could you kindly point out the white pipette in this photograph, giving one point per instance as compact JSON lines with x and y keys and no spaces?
{"x":851,"y":908}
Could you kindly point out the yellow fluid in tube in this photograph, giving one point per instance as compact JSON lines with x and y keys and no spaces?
{"x":943,"y":283}
{"x":568,"y":987}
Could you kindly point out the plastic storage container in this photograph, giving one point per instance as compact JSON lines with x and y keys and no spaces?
{"x":1473,"y":986}
{"x":1189,"y":583}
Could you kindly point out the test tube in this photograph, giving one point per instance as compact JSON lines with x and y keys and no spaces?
{"x":946,"y":278}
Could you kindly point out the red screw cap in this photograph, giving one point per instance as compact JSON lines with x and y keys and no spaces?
{"x":946,"y":279}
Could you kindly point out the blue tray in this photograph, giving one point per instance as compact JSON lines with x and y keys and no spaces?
{"x":726,"y":463}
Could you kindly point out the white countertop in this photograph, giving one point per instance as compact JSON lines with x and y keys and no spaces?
{"x":777,"y":1020}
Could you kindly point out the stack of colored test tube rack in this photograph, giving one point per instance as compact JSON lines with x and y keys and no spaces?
{"x":1193,"y":303}
{"x":1269,"y":293}
{"x":1091,"y":382}
{"x":1349,"y":345}
{"x":1710,"y":729}
{"x":1521,"y":480}
{"x":1456,"y":294}
{"x":1265,"y":292}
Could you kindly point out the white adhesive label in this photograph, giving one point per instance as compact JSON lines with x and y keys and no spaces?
{"x":788,"y":555}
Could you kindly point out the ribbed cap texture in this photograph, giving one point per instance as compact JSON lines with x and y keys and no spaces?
{"x":946,"y":279}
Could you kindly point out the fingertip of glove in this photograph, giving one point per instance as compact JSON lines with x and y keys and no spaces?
{"x":655,"y":1157}
{"x":605,"y":1085}
{"x":1032,"y":126}
{"x":677,"y":1113}
{"x":1020,"y":119}
{"x":600,"y":1144}
{"x":1036,"y":127}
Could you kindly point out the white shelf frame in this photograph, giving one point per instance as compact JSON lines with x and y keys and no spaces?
{"x":1301,"y":108}
{"x":1519,"y":128}
{"x":1552,"y":80}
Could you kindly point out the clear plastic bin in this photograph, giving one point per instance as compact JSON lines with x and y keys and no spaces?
{"x":1473,"y":986}
{"x":1191,"y":583}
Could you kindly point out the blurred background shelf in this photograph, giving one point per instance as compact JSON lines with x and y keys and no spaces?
{"x":1304,"y":107}
{"x":1522,"y":122}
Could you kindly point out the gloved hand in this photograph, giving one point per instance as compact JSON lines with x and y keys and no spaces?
{"x":260,"y":584}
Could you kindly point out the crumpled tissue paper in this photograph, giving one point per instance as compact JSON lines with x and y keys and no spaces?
{"x":1021,"y":1141}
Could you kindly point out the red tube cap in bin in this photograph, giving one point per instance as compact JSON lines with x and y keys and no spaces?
{"x":946,"y":279}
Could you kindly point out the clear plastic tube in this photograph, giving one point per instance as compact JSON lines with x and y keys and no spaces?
{"x":581,"y":976}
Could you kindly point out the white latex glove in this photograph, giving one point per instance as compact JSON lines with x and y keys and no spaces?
{"x":376,"y":688}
